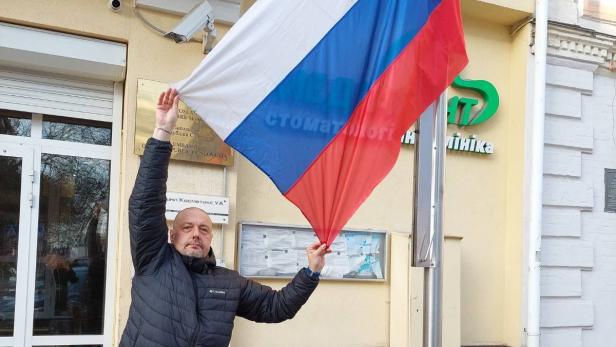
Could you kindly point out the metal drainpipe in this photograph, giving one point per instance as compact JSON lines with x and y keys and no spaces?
{"x":534,"y":201}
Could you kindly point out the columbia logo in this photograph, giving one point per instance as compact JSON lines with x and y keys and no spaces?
{"x":214,"y":291}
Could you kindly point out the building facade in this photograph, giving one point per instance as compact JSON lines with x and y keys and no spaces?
{"x":69,"y":74}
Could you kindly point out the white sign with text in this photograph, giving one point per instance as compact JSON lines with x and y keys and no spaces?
{"x":216,"y":206}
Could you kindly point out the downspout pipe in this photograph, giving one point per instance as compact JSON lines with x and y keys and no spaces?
{"x":534,"y":201}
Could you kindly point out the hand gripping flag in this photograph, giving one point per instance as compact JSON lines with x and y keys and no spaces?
{"x":317,"y":93}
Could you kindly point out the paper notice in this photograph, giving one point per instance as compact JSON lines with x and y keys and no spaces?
{"x":358,"y":244}
{"x":252,"y":261}
{"x":339,"y":245}
{"x":277,"y":239}
{"x":282,"y":261}
{"x":252,"y":239}
{"x":304,"y":238}
{"x":337,"y":265}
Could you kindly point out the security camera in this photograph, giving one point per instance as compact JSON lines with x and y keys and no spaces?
{"x":208,"y":40}
{"x":114,"y":5}
{"x":200,"y":17}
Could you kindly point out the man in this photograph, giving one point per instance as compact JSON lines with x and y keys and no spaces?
{"x":179,"y":296}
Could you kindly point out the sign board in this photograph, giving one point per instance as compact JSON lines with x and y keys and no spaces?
{"x":460,"y":109}
{"x":456,"y":142}
{"x":279,"y":251}
{"x":467,"y":111}
{"x":610,"y":190}
{"x":192,"y":139}
{"x":217,"y":207}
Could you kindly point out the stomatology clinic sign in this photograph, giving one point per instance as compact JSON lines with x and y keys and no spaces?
{"x":462,"y":112}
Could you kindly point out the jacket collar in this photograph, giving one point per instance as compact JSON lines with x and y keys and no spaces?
{"x":199,"y":265}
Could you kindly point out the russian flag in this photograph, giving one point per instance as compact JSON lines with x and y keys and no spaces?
{"x":317,"y":93}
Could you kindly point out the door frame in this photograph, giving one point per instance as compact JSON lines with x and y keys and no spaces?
{"x":36,"y":146}
{"x":26,"y":153}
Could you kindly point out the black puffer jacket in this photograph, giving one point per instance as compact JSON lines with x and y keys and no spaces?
{"x":184,"y":301}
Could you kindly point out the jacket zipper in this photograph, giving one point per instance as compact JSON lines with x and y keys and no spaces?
{"x":193,"y":340}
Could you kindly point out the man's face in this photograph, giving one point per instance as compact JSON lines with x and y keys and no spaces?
{"x":192,"y":233}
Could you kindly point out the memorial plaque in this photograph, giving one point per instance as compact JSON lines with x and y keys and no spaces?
{"x":192,"y":139}
{"x":610,"y":190}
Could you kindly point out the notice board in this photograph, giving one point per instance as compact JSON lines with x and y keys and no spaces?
{"x":279,"y":251}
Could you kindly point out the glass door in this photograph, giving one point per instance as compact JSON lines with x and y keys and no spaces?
{"x":72,"y":243}
{"x":68,"y":252}
{"x":16,"y":199}
{"x":55,"y":193}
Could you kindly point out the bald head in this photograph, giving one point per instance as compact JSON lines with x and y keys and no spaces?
{"x":192,"y":232}
{"x":191,"y":212}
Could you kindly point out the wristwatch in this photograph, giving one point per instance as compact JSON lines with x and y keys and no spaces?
{"x":311,"y":274}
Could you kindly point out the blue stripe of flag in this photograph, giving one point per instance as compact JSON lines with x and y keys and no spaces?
{"x":293,"y":124}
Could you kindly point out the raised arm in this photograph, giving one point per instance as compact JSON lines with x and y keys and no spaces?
{"x":262,"y":304}
{"x":147,"y":224}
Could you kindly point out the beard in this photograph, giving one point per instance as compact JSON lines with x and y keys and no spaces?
{"x":184,"y":248}
{"x":197,"y":253}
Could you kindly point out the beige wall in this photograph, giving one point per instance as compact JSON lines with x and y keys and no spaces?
{"x":505,"y":12}
{"x":514,"y":238}
{"x":484,"y":201}
{"x":482,"y":193}
{"x":520,"y":5}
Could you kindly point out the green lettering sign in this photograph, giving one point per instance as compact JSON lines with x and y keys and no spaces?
{"x":491,"y":101}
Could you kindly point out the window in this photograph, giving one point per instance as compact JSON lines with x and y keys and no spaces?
{"x":77,"y":130}
{"x":15,"y":123}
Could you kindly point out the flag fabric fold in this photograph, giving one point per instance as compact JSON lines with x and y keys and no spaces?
{"x":317,"y":93}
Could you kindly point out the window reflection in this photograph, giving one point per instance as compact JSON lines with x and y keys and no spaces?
{"x":15,"y":123}
{"x":72,"y":245}
{"x":10,"y":188}
{"x":76,"y":130}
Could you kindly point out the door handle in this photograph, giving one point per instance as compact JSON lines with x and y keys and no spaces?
{"x":31,"y":174}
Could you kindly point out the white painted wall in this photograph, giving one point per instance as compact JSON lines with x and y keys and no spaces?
{"x":578,"y":279}
{"x":599,"y":227}
{"x":568,"y":194}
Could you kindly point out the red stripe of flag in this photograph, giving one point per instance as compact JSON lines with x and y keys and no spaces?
{"x":366,"y":149}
